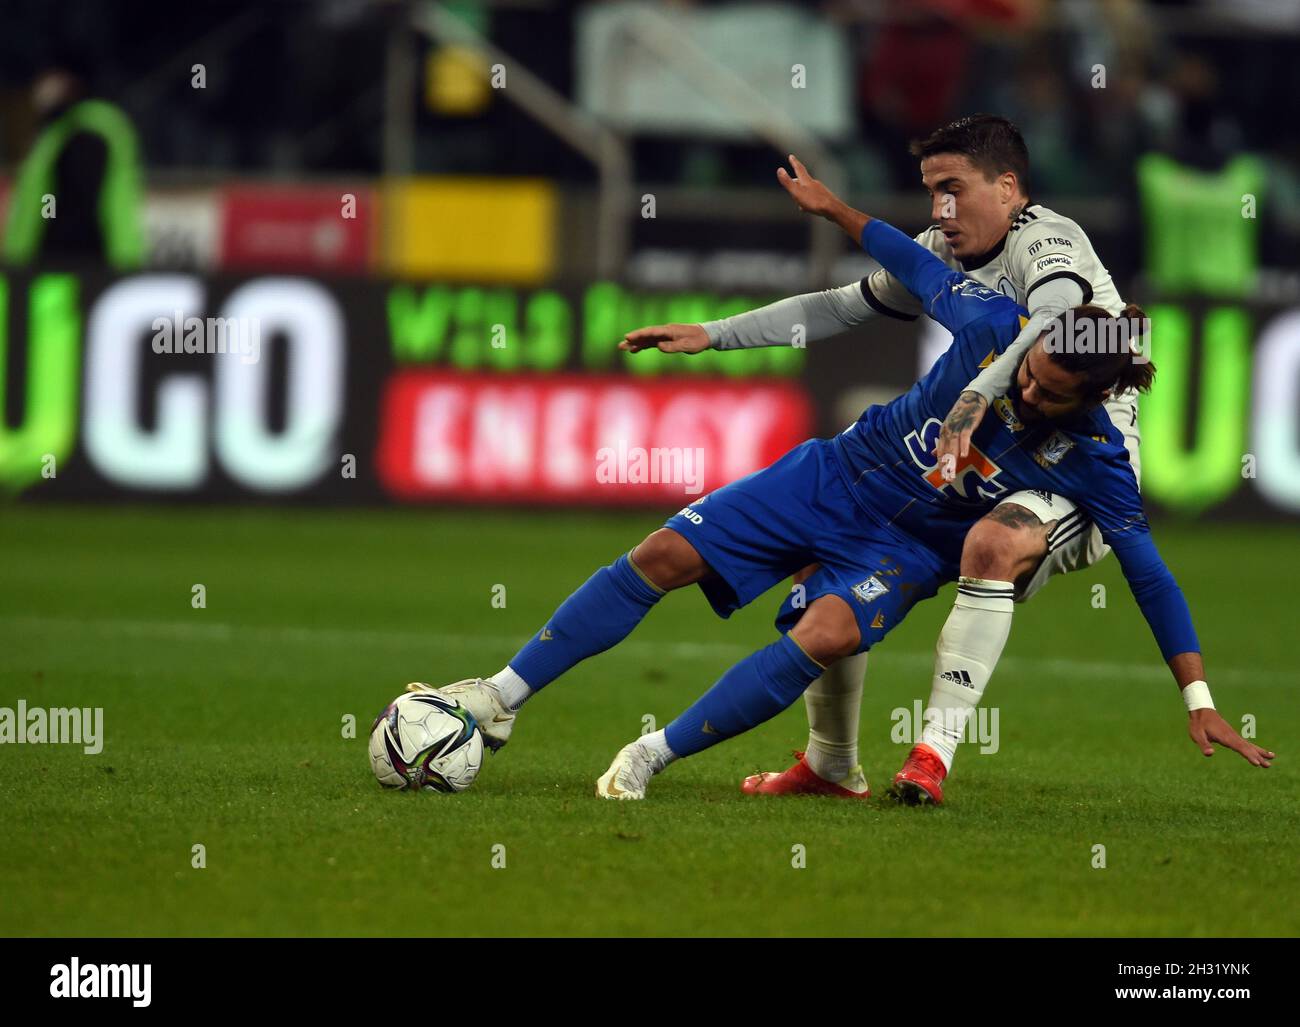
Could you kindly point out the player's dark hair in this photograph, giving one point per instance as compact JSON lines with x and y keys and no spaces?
{"x":993,"y":144}
{"x":1108,"y":351}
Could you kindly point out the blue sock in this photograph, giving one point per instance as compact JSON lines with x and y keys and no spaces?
{"x":756,"y":689}
{"x":598,"y":615}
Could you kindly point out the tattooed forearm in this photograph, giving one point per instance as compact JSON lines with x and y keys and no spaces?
{"x":965,"y":413}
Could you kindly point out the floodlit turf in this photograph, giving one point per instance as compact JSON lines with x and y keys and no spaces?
{"x":223,"y":728}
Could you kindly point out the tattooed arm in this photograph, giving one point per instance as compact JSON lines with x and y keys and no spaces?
{"x":1049,"y":301}
{"x":958,"y":427}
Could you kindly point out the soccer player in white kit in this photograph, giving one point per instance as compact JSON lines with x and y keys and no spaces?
{"x":976,"y":171}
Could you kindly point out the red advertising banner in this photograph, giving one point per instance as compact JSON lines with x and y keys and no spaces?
{"x":579,"y":438}
{"x":298,"y":229}
{"x":168,"y":385}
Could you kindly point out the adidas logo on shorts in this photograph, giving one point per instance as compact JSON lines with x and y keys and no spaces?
{"x":957,"y":677}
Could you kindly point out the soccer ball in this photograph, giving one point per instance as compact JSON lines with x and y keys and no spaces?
{"x":424,"y":740}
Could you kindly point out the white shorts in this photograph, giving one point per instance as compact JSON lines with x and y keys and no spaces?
{"x":1076,"y":542}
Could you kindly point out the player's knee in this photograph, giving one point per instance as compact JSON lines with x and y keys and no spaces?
{"x":668,"y":560}
{"x":985,"y":552}
{"x":828,"y":631}
{"x":1003,"y":549}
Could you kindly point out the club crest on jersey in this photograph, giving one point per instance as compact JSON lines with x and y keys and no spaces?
{"x":974,"y":477}
{"x":1053,"y":451}
{"x":973,"y":289}
{"x":872,"y":588}
{"x":1007,"y":412}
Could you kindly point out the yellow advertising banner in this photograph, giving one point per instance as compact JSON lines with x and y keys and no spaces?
{"x":470,"y":229}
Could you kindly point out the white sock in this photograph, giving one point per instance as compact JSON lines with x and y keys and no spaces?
{"x":513,"y":689}
{"x":833,"y":702}
{"x":657,"y":743}
{"x":967,"y":651}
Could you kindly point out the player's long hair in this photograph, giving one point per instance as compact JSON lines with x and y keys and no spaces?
{"x":1110,"y":352}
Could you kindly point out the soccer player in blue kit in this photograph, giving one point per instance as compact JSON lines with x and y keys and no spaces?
{"x":881,"y":520}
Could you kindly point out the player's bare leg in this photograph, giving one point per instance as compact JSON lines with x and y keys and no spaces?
{"x":669,"y":561}
{"x":829,"y":766}
{"x":1002,"y":549}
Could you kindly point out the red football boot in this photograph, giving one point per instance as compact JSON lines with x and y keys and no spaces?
{"x":920,"y":780}
{"x":800,"y":780}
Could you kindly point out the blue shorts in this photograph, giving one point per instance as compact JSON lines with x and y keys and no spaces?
{"x":761,"y":529}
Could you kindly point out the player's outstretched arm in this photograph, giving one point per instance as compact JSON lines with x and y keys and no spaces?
{"x":812,"y":197}
{"x":1165,"y":609}
{"x":1205,"y":726}
{"x":923,"y":274}
{"x":674,"y":338}
{"x":793,"y":321}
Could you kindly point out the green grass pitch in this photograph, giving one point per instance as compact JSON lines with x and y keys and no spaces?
{"x":224,"y":728}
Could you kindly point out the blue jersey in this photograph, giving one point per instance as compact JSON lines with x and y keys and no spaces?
{"x":887,"y":455}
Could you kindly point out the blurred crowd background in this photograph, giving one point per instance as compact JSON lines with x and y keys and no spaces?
{"x":299,"y":88}
{"x":554,"y":149}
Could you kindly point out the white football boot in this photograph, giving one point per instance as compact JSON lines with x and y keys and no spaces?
{"x":484,"y":703}
{"x":629,"y":774}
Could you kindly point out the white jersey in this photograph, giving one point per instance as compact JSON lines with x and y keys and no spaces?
{"x":1040,"y":247}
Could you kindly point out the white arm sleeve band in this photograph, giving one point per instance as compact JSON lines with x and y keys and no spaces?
{"x":1050,"y":300}
{"x":810,"y":317}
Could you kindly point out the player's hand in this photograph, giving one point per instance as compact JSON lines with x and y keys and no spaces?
{"x":667,"y":339}
{"x":1207,"y":728}
{"x":958,"y":427}
{"x":811,"y":196}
